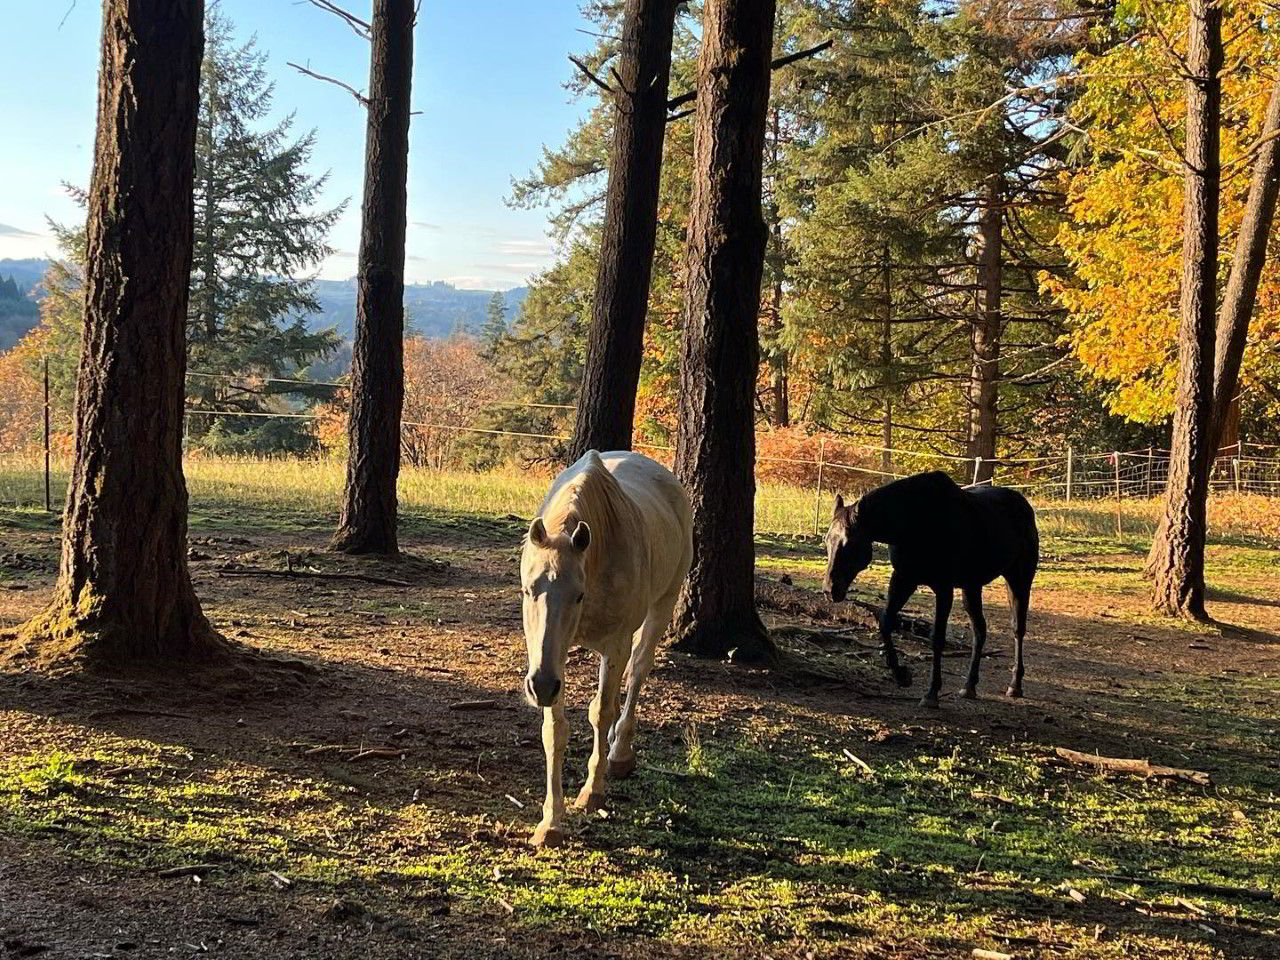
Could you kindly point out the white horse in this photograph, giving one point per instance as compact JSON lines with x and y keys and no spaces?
{"x":601,"y":568}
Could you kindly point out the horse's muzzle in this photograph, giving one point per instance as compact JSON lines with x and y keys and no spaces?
{"x":542,"y":688}
{"x":835,"y":593}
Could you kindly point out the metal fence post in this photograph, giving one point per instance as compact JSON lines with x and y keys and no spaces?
{"x":1115,"y":456}
{"x":1069,"y":471}
{"x":48,"y":497}
{"x":1235,"y":470}
{"x":817,"y":493}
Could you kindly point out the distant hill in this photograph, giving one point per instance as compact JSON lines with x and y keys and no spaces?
{"x":19,"y":311}
{"x":435,"y":309}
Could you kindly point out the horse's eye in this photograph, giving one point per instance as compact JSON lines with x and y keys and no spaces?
{"x":580,"y":596}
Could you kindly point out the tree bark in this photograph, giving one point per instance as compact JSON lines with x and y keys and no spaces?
{"x":984,"y":381}
{"x":615,"y":345}
{"x":720,"y":356}
{"x":1246,"y":269}
{"x":1176,"y":561}
{"x":368,"y":520}
{"x":124,"y":593}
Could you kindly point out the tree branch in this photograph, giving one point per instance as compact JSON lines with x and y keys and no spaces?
{"x":360,"y":97}
{"x":590,"y":76}
{"x":360,"y":27}
{"x":776,"y":64}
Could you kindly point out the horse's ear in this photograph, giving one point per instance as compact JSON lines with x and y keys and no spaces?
{"x":581,"y":537}
{"x":538,"y":532}
{"x":839,"y":506}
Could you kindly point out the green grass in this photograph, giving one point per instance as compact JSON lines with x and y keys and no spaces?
{"x":769,"y":835}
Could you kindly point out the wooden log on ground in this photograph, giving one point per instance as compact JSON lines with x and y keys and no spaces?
{"x":1140,"y":768}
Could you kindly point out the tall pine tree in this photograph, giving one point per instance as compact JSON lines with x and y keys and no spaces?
{"x":258,"y":237}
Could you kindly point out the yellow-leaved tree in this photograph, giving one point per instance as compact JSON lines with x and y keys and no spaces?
{"x":1124,"y":234}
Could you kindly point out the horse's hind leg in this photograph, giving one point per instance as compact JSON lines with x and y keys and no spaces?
{"x":622,"y":754}
{"x":603,"y":712}
{"x":1019,"y":599}
{"x":973,"y":605}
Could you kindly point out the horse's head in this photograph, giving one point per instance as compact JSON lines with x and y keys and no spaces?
{"x":553,"y":578}
{"x":848,"y":550}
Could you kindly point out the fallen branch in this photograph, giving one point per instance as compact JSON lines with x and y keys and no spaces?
{"x":474,"y":705}
{"x":859,"y":762}
{"x":191,"y":870}
{"x":1142,"y":768}
{"x":386,"y":753}
{"x":979,"y":954}
{"x":1208,"y":889}
{"x":313,"y":574}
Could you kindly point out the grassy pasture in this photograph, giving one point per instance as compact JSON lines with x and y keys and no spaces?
{"x":750,"y":829}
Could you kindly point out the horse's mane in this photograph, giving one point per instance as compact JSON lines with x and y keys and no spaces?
{"x":592,"y":494}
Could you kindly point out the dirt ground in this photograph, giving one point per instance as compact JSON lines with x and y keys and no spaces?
{"x":431,"y":675}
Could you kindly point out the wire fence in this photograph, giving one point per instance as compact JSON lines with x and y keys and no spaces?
{"x":844,"y":466}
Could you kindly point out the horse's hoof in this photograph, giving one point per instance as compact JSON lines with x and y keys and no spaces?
{"x":621,"y":769}
{"x":969,"y":693}
{"x":1014,"y":692}
{"x":929,"y":701}
{"x":546,"y":836}
{"x":902,"y":676}
{"x":589,"y":802}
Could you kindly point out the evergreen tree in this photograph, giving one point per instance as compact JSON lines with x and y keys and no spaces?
{"x":257,"y":238}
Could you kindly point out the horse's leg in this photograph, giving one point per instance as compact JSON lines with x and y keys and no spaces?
{"x":555,"y":733}
{"x":973,"y":605}
{"x":941,"y":613}
{"x":1019,"y":600}
{"x":603,"y":712}
{"x":900,"y":590}
{"x":622,"y":753}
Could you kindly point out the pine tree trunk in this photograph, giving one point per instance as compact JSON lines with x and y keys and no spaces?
{"x":1177,"y":556}
{"x":124,"y":593}
{"x":720,"y":356}
{"x":607,"y":400}
{"x":368,"y":520}
{"x":1246,"y":269}
{"x":984,"y":381}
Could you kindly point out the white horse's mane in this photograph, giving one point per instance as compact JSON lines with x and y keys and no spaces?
{"x":593,"y":495}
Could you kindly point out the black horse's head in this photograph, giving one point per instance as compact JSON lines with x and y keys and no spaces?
{"x":848,"y":550}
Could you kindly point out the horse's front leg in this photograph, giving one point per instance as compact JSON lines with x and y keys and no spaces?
{"x":603,"y":713}
{"x":941,"y":613}
{"x":555,"y":734}
{"x":900,"y":590}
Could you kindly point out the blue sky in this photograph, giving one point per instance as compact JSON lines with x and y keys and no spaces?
{"x":488,"y":77}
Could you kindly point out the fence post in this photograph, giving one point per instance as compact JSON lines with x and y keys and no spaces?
{"x":977,"y":466}
{"x":1150,"y":460}
{"x":1069,"y":466}
{"x":48,"y":498}
{"x":1235,"y":470}
{"x":1115,"y":457}
{"x":817,"y":493}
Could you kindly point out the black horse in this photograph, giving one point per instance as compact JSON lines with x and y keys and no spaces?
{"x":942,"y":537}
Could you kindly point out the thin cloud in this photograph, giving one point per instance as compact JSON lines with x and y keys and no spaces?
{"x":8,"y":231}
{"x":424,"y":225}
{"x":525,"y":247}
